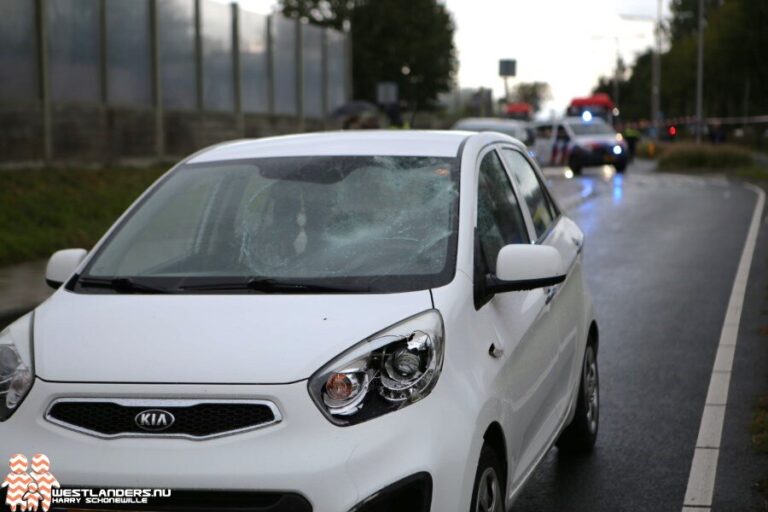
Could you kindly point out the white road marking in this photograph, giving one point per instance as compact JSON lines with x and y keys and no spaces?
{"x":711,"y":426}
{"x":718,"y":388}
{"x":701,"y":480}
{"x":724,"y":358}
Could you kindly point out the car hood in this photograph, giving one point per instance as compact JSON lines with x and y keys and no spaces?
{"x":227,"y":339}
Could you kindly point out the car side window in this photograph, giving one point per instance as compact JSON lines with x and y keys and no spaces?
{"x":544,"y":131}
{"x":543,"y":211}
{"x":499,"y":218}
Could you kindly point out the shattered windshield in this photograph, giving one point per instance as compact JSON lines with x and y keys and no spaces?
{"x":378,"y":223}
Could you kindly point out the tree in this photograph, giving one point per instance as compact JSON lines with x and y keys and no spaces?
{"x":734,"y":65}
{"x":685,"y":16}
{"x":532,"y":93}
{"x":409,"y":42}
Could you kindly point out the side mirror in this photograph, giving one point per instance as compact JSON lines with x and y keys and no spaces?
{"x":62,"y":265}
{"x":526,"y":267}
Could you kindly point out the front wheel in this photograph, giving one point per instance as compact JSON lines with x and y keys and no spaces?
{"x":575,"y":165}
{"x":581,"y":434}
{"x":490,"y":483}
{"x":620,"y":168}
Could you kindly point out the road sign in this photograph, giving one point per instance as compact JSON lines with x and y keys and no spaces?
{"x":507,"y":67}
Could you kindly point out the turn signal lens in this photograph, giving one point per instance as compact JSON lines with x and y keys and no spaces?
{"x":339,"y":387}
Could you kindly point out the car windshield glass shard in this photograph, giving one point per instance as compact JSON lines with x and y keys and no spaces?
{"x":351,"y":223}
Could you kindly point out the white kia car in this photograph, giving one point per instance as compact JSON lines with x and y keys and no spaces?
{"x":367,"y":321}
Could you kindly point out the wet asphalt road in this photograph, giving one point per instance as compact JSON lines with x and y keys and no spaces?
{"x":661,"y":254}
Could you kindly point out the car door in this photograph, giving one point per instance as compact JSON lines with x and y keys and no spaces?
{"x":524,"y":332}
{"x":552,"y":228}
{"x":543,"y":143}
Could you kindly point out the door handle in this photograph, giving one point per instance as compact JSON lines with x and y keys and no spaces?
{"x":550,"y":294}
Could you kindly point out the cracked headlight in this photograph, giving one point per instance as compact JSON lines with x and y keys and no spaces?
{"x":389,"y":370}
{"x":16,"y":375}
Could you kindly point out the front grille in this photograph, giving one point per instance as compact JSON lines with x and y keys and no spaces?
{"x":190,"y":419}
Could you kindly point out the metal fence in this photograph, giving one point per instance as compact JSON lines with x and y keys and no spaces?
{"x":168,"y":56}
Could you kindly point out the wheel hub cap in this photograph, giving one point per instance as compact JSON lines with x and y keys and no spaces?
{"x":488,"y":493}
{"x":591,"y":388}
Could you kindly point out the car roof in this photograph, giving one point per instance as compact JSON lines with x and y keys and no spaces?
{"x":346,"y":143}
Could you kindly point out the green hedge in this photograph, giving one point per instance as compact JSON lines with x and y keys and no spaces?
{"x":686,"y":156}
{"x":43,"y":210}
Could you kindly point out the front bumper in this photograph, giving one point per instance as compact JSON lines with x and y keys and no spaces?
{"x":598,"y":156}
{"x":333,"y":468}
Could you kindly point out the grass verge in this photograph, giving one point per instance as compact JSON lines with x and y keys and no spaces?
{"x":43,"y":210}
{"x":705,"y":157}
{"x":759,"y":427}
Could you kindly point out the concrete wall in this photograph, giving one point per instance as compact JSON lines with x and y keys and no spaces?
{"x":95,"y":134}
{"x":65,"y":97}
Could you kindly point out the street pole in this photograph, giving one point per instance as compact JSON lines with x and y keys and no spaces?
{"x":656,"y":78}
{"x":700,"y":76}
{"x":617,"y":74}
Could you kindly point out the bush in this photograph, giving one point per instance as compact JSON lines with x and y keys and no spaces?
{"x":647,"y":148}
{"x":704,"y":157}
{"x":43,"y":210}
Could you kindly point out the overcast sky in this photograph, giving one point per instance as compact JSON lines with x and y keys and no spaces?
{"x":567,"y":43}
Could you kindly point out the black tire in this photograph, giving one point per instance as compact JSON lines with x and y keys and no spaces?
{"x":575,"y":166}
{"x":620,"y":168}
{"x":490,"y":478}
{"x":580,"y":435}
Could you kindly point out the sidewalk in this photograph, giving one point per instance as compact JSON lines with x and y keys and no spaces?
{"x":22,"y":287}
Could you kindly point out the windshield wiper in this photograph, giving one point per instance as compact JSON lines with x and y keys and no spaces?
{"x":119,"y":284}
{"x":270,"y":285}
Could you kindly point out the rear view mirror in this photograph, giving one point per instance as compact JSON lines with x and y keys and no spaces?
{"x":62,"y":265}
{"x":526,"y":267}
